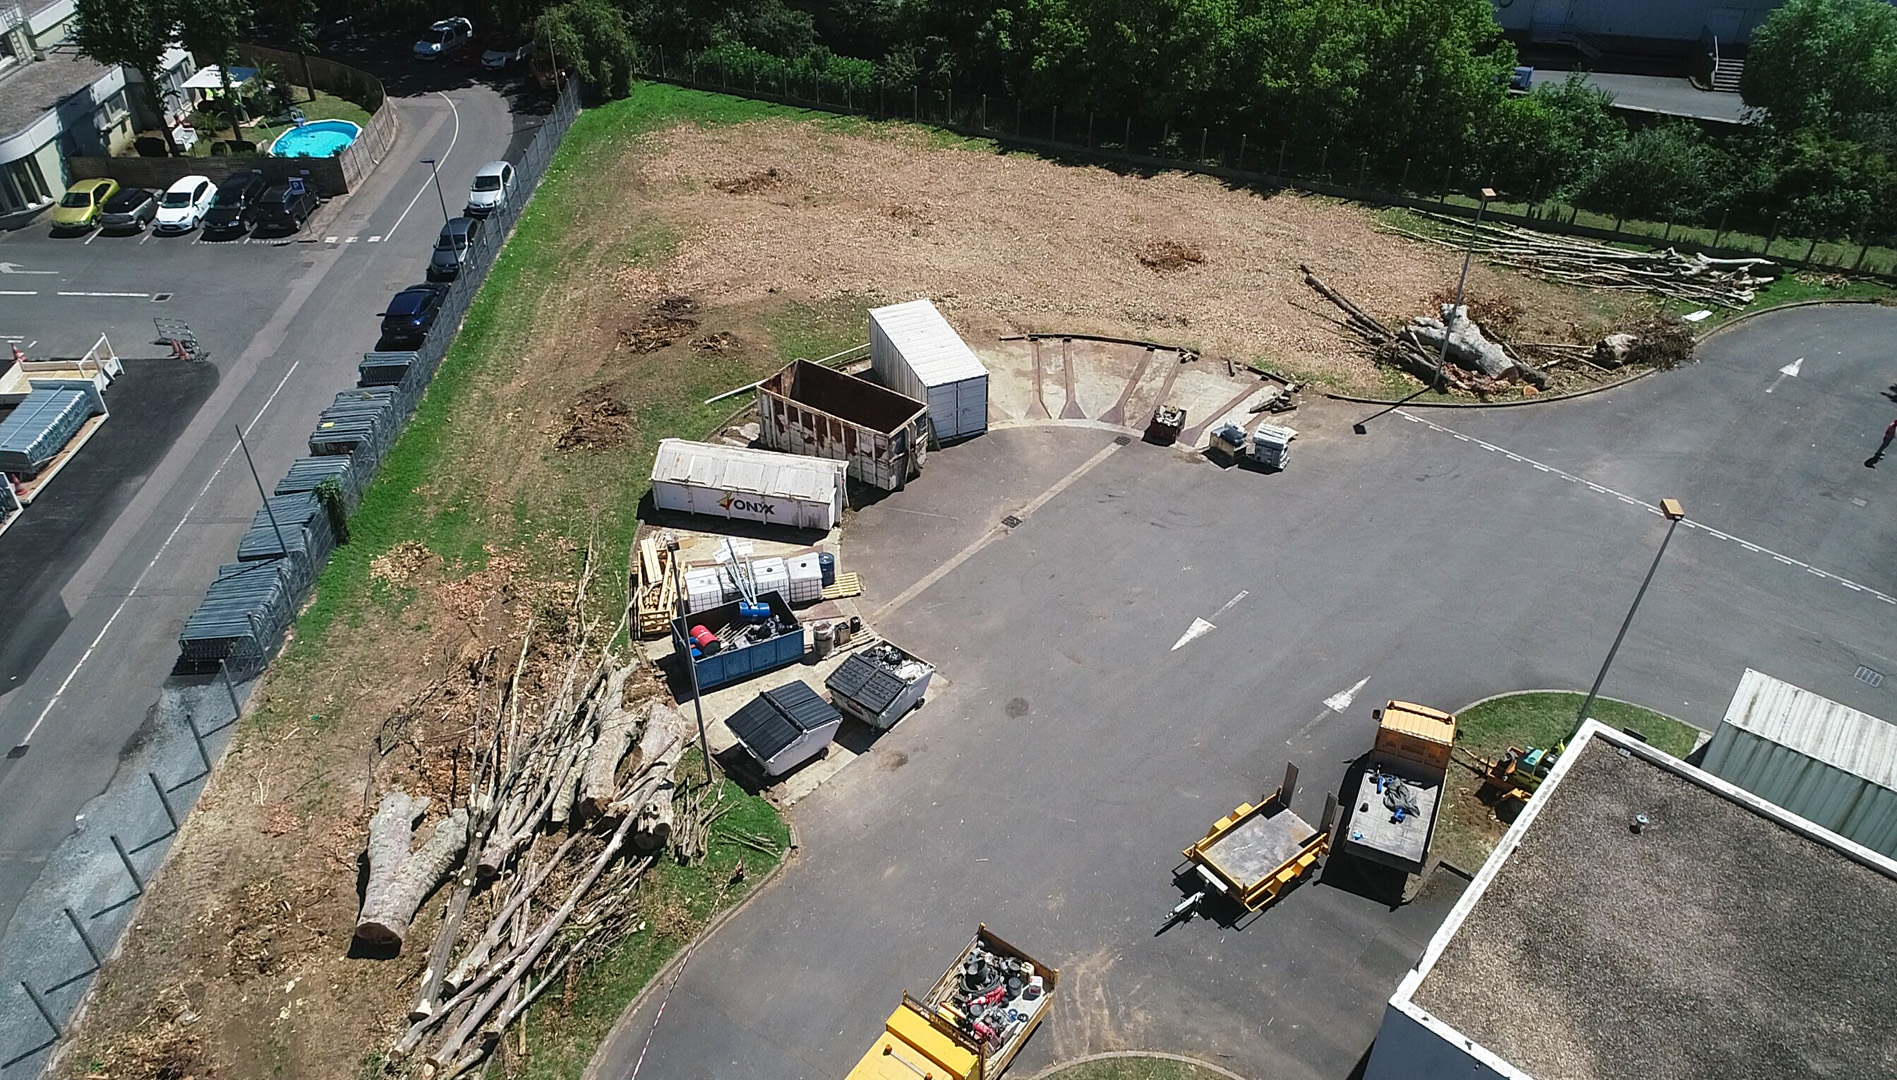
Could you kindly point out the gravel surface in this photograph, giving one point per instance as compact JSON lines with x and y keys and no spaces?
{"x":1010,"y":242}
{"x":1714,"y":945}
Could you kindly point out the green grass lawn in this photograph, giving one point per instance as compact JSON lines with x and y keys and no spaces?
{"x":1466,"y":828}
{"x":1135,"y":1067}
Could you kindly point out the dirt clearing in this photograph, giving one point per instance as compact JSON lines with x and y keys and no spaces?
{"x":1010,"y":242}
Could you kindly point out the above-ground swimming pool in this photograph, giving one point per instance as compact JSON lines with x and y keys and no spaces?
{"x":318,"y":138}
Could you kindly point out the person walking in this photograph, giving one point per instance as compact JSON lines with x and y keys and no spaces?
{"x":1890,"y":436}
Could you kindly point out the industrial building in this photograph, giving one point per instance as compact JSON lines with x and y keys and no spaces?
{"x":1644,"y":918}
{"x":1633,"y":25}
{"x":1821,"y":760}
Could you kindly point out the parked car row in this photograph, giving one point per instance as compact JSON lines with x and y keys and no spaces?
{"x":245,"y":203}
{"x":413,"y":312}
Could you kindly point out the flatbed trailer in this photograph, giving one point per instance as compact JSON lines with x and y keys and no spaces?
{"x":963,"y":1029}
{"x":1257,"y":851}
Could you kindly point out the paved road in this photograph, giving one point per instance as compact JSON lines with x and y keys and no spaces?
{"x":1047,"y":787}
{"x":285,"y":325}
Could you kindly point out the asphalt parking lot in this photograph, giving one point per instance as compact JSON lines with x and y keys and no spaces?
{"x":1071,"y":749}
{"x":284,"y":324}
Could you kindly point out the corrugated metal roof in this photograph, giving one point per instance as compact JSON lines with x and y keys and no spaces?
{"x":935,"y":352}
{"x":1816,"y":726}
{"x":757,"y":472}
{"x":1420,"y":721}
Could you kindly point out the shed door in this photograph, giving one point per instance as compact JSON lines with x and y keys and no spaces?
{"x":971,"y":406}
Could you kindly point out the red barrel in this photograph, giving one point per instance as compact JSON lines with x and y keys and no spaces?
{"x":703,"y":637}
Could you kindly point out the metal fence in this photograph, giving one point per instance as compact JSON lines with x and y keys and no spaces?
{"x":89,"y":889}
{"x":1395,"y":178}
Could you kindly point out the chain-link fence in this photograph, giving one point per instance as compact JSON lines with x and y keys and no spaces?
{"x":89,"y":889}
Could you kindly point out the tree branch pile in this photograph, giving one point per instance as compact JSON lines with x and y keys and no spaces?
{"x":1407,"y":348}
{"x":568,"y":804}
{"x":1698,"y":278}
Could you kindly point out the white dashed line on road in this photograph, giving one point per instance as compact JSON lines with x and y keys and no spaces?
{"x":19,"y":292}
{"x":1649,"y":507}
{"x":135,"y":295}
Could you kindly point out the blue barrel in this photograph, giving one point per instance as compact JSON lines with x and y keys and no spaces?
{"x":827,"y":567}
{"x":753,"y":612}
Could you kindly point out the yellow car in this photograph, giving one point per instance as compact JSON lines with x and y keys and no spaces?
{"x":79,"y":209}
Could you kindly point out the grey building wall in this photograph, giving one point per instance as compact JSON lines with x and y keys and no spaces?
{"x":1678,"y":20}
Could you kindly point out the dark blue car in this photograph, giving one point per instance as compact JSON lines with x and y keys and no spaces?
{"x":412,"y":313}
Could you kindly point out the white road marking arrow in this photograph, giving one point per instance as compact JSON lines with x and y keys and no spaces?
{"x":14,"y":268}
{"x":1198,"y":629}
{"x":1341,"y":700}
{"x":1789,"y":370}
{"x":1232,"y":603}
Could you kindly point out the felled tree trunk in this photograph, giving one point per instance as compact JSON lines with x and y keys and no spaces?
{"x":1469,"y":348}
{"x":617,"y":725}
{"x":400,"y":879}
{"x":649,"y":798}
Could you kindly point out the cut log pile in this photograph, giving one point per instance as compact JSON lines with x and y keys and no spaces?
{"x":1417,"y":347}
{"x":1731,"y":283}
{"x":569,"y":804}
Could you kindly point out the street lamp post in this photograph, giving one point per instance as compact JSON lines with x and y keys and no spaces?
{"x":436,"y":173}
{"x":1449,"y":322}
{"x":684,"y":645}
{"x":1674,"y":514}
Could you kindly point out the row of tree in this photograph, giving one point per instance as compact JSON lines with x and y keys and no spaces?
{"x":1401,"y":90}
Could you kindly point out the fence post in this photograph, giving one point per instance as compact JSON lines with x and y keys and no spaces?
{"x":1053,"y":124}
{"x":1667,"y":233}
{"x":1165,"y":136}
{"x":164,"y":801}
{"x":130,"y":870}
{"x":1363,"y":168}
{"x":1089,"y":129}
{"x":951,"y":105}
{"x":1864,"y":246}
{"x":984,"y":112}
{"x":1241,"y":150}
{"x":661,"y":61}
{"x":1442,"y":193}
{"x":46,"y":1014}
{"x":915,"y":103}
{"x":1203,"y":132}
{"x":1017,"y":118}
{"x":1323,"y":162}
{"x":1771,"y":236}
{"x":1813,"y":247}
{"x":1404,"y":180}
{"x":1622,"y":215}
{"x":1283,"y":144}
{"x":1126,"y":141}
{"x":85,"y":939}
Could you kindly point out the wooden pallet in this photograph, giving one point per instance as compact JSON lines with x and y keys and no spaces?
{"x":845,"y":585}
{"x":655,"y":590}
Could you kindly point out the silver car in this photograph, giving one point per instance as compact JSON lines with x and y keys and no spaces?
{"x":493,"y":188}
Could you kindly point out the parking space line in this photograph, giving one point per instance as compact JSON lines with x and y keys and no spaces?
{"x":133,"y":591}
{"x":1631,"y":501}
{"x":138,"y":295}
{"x":90,"y":239}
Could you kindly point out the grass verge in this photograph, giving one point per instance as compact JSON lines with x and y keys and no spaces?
{"x":1467,"y":829}
{"x":564,"y":1030}
{"x":1134,"y":1068}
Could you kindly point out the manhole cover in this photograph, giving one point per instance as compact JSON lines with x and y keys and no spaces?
{"x":1870,"y":677}
{"x":1011,"y":521}
{"x":159,"y":298}
{"x":1122,"y":440}
{"x":17,"y":752}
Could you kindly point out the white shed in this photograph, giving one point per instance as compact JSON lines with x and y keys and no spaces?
{"x":914,"y":351}
{"x":757,"y":485}
{"x":1825,"y":762}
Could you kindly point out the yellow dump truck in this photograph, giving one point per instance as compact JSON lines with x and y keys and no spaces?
{"x":972,"y":1022}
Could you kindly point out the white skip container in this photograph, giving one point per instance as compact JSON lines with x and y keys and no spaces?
{"x":738,"y":482}
{"x":914,"y":351}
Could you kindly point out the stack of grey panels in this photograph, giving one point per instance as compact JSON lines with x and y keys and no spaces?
{"x":1271,"y":445}
{"x":385,"y":368}
{"x":306,"y":537}
{"x":243,"y":615}
{"x":43,"y":423}
{"x":361,"y":425}
{"x":309,"y":473}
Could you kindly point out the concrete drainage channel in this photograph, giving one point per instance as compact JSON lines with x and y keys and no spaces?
{"x":71,"y":919}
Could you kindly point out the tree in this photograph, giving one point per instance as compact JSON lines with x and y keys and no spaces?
{"x":594,"y":38}
{"x":137,"y":33}
{"x":1828,"y":65}
{"x":1664,"y":171}
{"x":212,"y":30}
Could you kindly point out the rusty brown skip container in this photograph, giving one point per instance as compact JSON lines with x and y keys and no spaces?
{"x":882,"y":436}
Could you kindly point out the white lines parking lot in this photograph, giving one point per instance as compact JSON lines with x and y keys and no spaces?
{"x":1653,"y":509}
